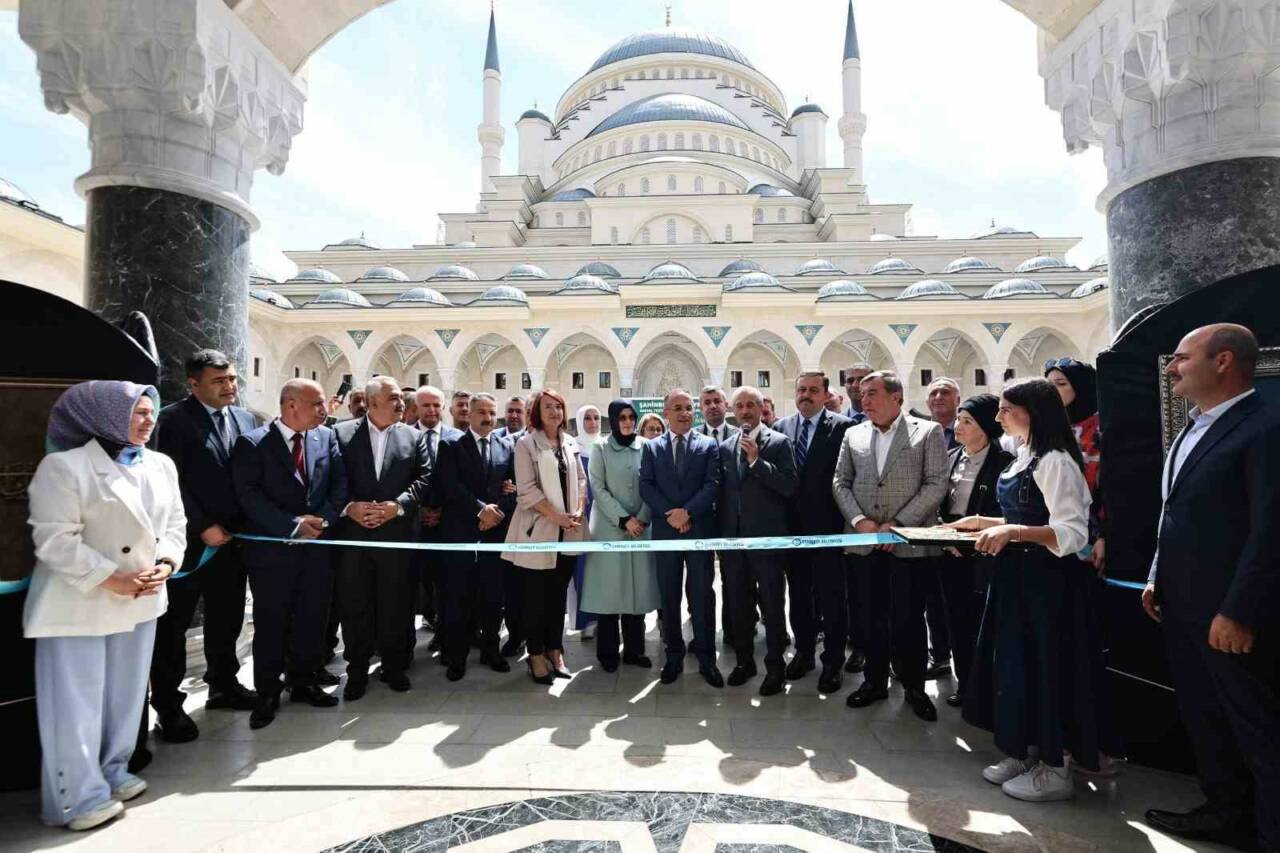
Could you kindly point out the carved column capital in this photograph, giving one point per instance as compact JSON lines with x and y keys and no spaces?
{"x":1162,"y":86}
{"x":178,"y":94}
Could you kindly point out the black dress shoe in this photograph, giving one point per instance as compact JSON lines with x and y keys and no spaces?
{"x":139,"y":760}
{"x":265,"y":712}
{"x":642,"y":661}
{"x":1204,"y":823}
{"x":742,"y":673}
{"x":398,"y":681}
{"x":512,"y":648}
{"x":454,"y":672}
{"x":856,"y":663}
{"x":433,"y":645}
{"x":921,"y":704}
{"x":495,"y":661}
{"x":937,"y":669}
{"x":609,"y":665}
{"x":548,"y":678}
{"x":356,"y":688}
{"x":865,"y":695}
{"x":831,"y":680}
{"x":176,"y":727}
{"x":671,"y":670}
{"x":312,"y":695}
{"x":235,"y":697}
{"x":711,"y":675}
{"x":325,"y":678}
{"x":774,"y":678}
{"x":800,"y":666}
{"x":954,"y":700}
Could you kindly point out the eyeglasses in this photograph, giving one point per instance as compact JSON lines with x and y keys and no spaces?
{"x":1057,"y":363}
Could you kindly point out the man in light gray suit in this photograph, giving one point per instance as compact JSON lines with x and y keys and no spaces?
{"x":892,"y":472}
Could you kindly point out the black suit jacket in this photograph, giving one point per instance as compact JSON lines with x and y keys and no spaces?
{"x":693,"y":489}
{"x":271,"y":496}
{"x":405,"y":479}
{"x":754,"y":499}
{"x":814,"y":511}
{"x":1218,"y":549}
{"x":983,"y":500}
{"x":465,"y":487}
{"x":185,"y":433}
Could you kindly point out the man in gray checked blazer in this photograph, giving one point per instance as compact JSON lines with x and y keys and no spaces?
{"x":892,"y":472}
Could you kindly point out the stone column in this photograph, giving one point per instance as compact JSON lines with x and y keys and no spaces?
{"x":1184,"y":101}
{"x":183,"y":104}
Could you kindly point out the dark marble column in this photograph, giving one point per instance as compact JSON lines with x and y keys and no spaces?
{"x":1182,"y":231}
{"x":182,"y":261}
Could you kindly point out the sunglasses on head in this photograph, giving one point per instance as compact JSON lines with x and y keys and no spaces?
{"x":1058,"y":363}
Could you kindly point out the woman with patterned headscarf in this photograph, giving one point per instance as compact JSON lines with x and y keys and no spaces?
{"x":109,"y":530}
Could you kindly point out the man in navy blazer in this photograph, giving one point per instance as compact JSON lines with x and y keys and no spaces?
{"x":388,"y":476}
{"x":817,"y":578}
{"x":1215,"y":588}
{"x":434,"y":432}
{"x":477,"y":489}
{"x":291,"y":483}
{"x":197,"y":434}
{"x":679,"y":482}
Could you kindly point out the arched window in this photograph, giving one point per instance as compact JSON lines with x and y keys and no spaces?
{"x":613,"y":148}
{"x":757,"y":216}
{"x":684,"y":73}
{"x":559,"y":219}
{"x":582,"y":218}
{"x":697,"y":142}
{"x":599,"y":152}
{"x":671,"y":183}
{"x":697,"y":184}
{"x":622,"y":189}
{"x":644,"y":235}
{"x":671,"y":74}
{"x":671,"y":230}
{"x":613,"y":235}
{"x":644,"y":143}
{"x":679,"y":142}
{"x":641,"y":76}
{"x":782,"y":214}
{"x":644,"y":186}
{"x":728,"y":233}
{"x":626,"y":146}
{"x":698,"y":236}
{"x":662,"y":142}
{"x":728,"y":146}
{"x":715,"y":143}
{"x":722,"y":188}
{"x":755,"y":153}
{"x":697,"y":72}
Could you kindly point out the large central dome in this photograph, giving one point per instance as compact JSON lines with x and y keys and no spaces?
{"x":669,"y":106}
{"x":670,"y":41}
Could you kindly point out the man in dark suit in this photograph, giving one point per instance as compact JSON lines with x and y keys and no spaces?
{"x":816,"y":579}
{"x":679,"y":482}
{"x":388,"y":475}
{"x":514,"y":427}
{"x":434,"y":432}
{"x":1215,"y":588}
{"x":943,"y":400}
{"x":853,"y":377}
{"x":758,"y":481}
{"x":477,"y":489}
{"x":290,"y":482}
{"x":197,"y":434}
{"x":714,"y":406}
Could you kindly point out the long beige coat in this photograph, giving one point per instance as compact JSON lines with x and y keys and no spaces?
{"x":538,"y":479}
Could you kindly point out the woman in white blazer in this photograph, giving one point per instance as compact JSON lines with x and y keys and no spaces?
{"x":551,"y":494}
{"x":109,"y":529}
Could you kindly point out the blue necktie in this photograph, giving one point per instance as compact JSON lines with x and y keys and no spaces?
{"x":679,"y":454}
{"x":802,"y":445}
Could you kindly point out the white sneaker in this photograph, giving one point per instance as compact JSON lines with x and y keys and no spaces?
{"x":128,"y":789}
{"x":589,"y":632}
{"x":96,"y":816}
{"x":1009,"y":768}
{"x":1042,"y":784}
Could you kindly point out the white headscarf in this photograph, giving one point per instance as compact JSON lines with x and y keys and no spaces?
{"x":585,"y":439}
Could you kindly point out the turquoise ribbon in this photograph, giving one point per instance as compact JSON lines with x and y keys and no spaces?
{"x":1125,"y":584}
{"x":10,"y":587}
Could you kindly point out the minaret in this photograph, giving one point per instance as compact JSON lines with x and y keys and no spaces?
{"x":490,"y":132}
{"x":853,"y":123}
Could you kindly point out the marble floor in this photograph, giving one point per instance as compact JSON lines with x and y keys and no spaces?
{"x":602,"y":762}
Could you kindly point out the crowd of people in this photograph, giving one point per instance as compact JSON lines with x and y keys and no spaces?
{"x":1016,"y":617}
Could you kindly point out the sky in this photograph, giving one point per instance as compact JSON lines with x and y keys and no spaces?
{"x":957,"y":124}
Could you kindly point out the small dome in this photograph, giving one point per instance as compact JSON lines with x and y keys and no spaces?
{"x":929,"y":288}
{"x":257,"y":275}
{"x":360,"y":242}
{"x":818,"y":266}
{"x":339,"y":297}
{"x":599,"y":268}
{"x":883,"y":238}
{"x":769,"y":191}
{"x":670,"y":41}
{"x":841,"y":290}
{"x":453,"y":272}
{"x":270,"y":297}
{"x":383,"y":274}
{"x":503,"y":293}
{"x":538,"y":114}
{"x":969,"y":264}
{"x":316,"y":274}
{"x":755,"y":281}
{"x":586,"y":283}
{"x":669,"y":106}
{"x":1041,"y":262}
{"x":670,"y":271}
{"x":807,"y":108}
{"x":1090,"y":287}
{"x":1015,"y":287}
{"x":1002,"y":231}
{"x":892,"y":265}
{"x":526,"y":271}
{"x":421,"y":296}
{"x":577,"y":194}
{"x":16,"y":194}
{"x":1099,"y":263}
{"x":738,"y":267}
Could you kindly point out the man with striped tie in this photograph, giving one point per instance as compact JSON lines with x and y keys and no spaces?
{"x":434,"y":430}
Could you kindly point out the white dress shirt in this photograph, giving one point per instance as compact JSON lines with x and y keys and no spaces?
{"x":1186,"y":442}
{"x":1066,"y":494}
{"x":378,"y":442}
{"x":881,"y":441}
{"x":717,"y":434}
{"x":963,"y":478}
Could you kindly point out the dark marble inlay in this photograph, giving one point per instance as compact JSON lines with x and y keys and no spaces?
{"x":573,"y":847}
{"x":182,"y":261}
{"x":1179,"y":232}
{"x":757,"y":848}
{"x":668,"y":816}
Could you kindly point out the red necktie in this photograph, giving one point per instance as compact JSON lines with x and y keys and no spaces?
{"x":299,"y":461}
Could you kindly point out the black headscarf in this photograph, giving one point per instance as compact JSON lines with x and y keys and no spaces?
{"x":982,"y":408}
{"x":616,"y":408}
{"x":1084,"y":381}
